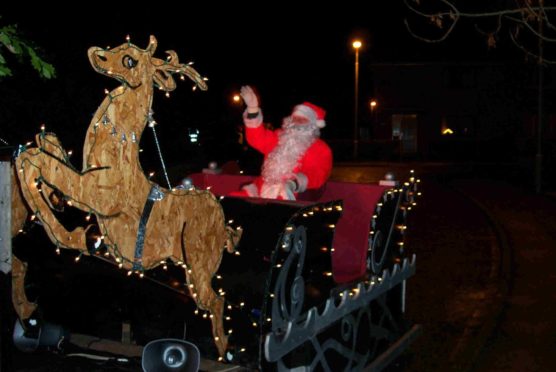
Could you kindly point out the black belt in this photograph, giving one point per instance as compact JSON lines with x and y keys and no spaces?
{"x":154,"y":195}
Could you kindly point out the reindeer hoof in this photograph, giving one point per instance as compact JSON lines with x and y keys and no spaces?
{"x":50,"y":143}
{"x":31,"y":326}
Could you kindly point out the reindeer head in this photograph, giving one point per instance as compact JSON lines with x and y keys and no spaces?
{"x":135,"y":67}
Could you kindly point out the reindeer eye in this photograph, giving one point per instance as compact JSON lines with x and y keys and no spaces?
{"x":129,"y":62}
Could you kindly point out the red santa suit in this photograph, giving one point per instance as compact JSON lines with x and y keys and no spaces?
{"x":296,"y":159}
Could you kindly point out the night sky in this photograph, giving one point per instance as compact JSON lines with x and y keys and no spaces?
{"x":290,"y":53}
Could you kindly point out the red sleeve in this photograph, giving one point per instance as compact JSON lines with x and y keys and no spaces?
{"x":261,"y":139}
{"x":317,"y":164}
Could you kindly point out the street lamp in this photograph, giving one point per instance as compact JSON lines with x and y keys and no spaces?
{"x":356,"y":45}
{"x":373,"y":103}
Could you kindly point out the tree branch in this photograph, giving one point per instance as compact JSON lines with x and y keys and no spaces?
{"x":537,"y":57}
{"x":10,"y":39}
{"x":523,"y":15}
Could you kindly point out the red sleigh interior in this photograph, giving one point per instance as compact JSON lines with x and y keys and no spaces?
{"x":352,"y":230}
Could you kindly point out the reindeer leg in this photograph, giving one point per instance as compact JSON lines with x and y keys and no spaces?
{"x":28,"y":173}
{"x":88,"y":191}
{"x":49,"y":143}
{"x":220,"y":338}
{"x":204,"y":237}
{"x":206,"y":299}
{"x":22,"y":306}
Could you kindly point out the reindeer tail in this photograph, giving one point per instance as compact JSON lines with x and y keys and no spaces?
{"x":232,"y":239}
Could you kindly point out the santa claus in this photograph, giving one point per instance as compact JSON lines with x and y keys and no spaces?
{"x":295,"y":159}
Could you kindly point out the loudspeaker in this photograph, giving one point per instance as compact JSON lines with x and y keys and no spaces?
{"x":48,"y":335}
{"x":170,"y":355}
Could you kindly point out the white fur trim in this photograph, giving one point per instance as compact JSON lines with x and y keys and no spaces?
{"x":305,"y":111}
{"x":255,"y":122}
{"x":321,"y":123}
{"x":302,"y":182}
{"x":251,"y":190}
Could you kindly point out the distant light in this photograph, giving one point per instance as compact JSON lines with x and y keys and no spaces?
{"x":373,"y":103}
{"x":193,"y":135}
{"x":447,"y":131}
{"x":356,"y":44}
{"x":236,"y":98}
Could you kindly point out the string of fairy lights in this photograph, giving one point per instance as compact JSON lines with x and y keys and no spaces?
{"x":107,"y":247}
{"x":105,"y":240}
{"x":71,"y":202}
{"x":306,"y":213}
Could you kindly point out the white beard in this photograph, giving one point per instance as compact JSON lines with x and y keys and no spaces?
{"x":280,"y":163}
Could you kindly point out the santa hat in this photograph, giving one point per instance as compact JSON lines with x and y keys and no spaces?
{"x":312,"y":112}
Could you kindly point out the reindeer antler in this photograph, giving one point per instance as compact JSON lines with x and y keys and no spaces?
{"x":172,"y":66}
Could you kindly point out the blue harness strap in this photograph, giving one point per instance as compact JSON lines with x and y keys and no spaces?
{"x":154,"y":195}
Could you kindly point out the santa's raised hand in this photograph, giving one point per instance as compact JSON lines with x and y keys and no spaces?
{"x":250,"y":99}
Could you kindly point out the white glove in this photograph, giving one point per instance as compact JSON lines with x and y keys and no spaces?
{"x":290,"y":187}
{"x":250,"y":99}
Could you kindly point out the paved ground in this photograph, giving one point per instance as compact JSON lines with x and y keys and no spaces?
{"x":525,"y":339}
{"x":455,"y":288}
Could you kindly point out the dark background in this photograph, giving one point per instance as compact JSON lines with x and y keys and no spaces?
{"x":289,"y":52}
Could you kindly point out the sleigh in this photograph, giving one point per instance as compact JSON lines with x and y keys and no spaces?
{"x":319,"y":283}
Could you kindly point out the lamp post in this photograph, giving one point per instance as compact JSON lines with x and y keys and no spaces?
{"x":539,"y":156}
{"x":356,"y":45}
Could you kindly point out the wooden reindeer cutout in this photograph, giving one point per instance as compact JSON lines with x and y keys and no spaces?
{"x":142,"y":224}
